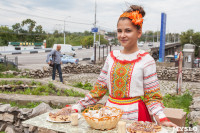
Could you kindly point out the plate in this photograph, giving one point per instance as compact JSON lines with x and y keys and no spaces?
{"x":163,"y":130}
{"x":48,"y":119}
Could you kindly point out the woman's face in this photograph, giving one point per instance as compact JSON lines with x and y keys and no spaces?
{"x":128,"y":34}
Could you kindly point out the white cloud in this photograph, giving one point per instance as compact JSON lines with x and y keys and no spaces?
{"x":181,"y":15}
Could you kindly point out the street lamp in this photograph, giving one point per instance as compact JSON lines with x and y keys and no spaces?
{"x":64,"y":27}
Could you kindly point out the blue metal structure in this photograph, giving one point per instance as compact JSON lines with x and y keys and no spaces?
{"x":95,"y":29}
{"x":162,"y":37}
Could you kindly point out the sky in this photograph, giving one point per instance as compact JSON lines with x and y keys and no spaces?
{"x":78,"y":15}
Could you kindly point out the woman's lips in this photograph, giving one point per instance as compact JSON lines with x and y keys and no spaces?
{"x":123,"y":41}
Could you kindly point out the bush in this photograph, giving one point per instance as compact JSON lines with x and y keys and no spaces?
{"x":6,"y":75}
{"x":179,"y":101}
{"x":7,"y":67}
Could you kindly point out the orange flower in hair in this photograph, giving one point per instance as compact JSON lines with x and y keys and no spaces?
{"x":135,"y":16}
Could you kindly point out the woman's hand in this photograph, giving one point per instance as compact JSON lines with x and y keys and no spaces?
{"x":68,"y":109}
{"x":164,"y":123}
{"x":168,"y":124}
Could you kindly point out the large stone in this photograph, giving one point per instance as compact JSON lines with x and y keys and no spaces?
{"x":25,"y":111}
{"x":194,"y":116}
{"x":32,"y":128}
{"x":4,"y":107}
{"x":13,"y":109}
{"x":40,"y":109}
{"x":45,"y":69}
{"x":17,"y":123}
{"x":21,"y":116}
{"x":7,"y":86}
{"x":1,"y":117}
{"x":43,"y":130}
{"x":8,"y":117}
{"x":26,"y":130}
{"x":19,"y":129}
{"x":3,"y":127}
{"x":10,"y":129}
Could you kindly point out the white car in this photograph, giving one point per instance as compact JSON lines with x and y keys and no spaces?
{"x":140,"y":44}
{"x":150,"y":44}
{"x":66,"y":49}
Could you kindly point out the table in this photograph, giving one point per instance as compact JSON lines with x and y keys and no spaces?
{"x":83,"y":127}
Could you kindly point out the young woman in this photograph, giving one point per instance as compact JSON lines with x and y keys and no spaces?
{"x":129,"y":74}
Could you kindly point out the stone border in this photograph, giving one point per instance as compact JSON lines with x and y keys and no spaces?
{"x":57,"y":84}
{"x":51,"y":100}
{"x":11,"y":118}
{"x":163,"y":73}
{"x":194,"y":115}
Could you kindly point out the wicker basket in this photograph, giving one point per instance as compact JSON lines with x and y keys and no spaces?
{"x":103,"y":123}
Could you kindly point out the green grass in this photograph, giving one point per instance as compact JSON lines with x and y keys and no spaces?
{"x":86,"y":86}
{"x":7,"y":75}
{"x":3,"y":67}
{"x":2,"y":132}
{"x":179,"y":101}
{"x":8,"y":67}
{"x":29,"y":105}
{"x":12,"y":76}
{"x":6,"y":82}
{"x":44,"y":90}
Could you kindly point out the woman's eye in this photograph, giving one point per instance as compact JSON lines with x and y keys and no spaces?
{"x":128,"y":30}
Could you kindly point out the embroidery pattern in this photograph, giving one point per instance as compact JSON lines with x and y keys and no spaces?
{"x":120,"y":79}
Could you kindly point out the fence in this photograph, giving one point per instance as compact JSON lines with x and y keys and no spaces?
{"x":100,"y":52}
{"x":9,"y":61}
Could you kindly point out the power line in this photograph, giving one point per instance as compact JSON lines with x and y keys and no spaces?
{"x":45,"y":17}
{"x":45,"y":12}
{"x":30,"y":34}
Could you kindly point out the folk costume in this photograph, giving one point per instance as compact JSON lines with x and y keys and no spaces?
{"x":128,"y":77}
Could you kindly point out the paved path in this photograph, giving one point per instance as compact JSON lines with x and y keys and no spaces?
{"x":165,"y":85}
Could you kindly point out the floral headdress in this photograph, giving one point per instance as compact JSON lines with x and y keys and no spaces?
{"x":135,"y":17}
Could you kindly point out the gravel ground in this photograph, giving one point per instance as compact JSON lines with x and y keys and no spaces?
{"x":165,"y":86}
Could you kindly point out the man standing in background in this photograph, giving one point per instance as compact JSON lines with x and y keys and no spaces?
{"x":56,"y":62}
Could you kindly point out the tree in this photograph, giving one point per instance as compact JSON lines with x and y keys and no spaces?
{"x":1,"y":42}
{"x":38,"y":29}
{"x":29,"y":23}
{"x":190,"y":37}
{"x":87,"y":33}
{"x":102,"y":40}
{"x":6,"y":35}
{"x":87,"y":41}
{"x":57,"y":34}
{"x":16,"y":27}
{"x":185,"y":36}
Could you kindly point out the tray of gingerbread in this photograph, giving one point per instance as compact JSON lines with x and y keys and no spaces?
{"x":60,"y":116}
{"x":145,"y":127}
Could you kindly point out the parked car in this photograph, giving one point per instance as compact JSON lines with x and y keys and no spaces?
{"x":69,"y":59}
{"x":140,"y":44}
{"x":66,"y":49}
{"x":169,"y":58}
{"x":1,"y":59}
{"x":150,"y":44}
{"x":197,"y":62}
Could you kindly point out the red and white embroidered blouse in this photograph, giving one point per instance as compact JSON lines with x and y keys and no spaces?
{"x":127,"y":76}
